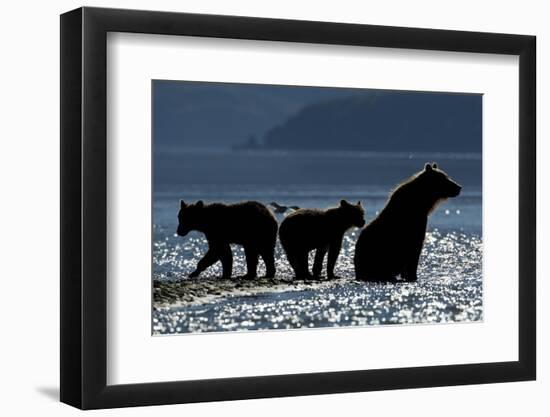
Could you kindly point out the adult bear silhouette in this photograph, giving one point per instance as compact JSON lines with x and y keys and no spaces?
{"x":390,"y":245}
{"x":249,"y":224}
{"x":307,"y":229}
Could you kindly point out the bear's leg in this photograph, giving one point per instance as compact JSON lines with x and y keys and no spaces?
{"x":291,"y":258}
{"x":269,"y":260}
{"x":318,"y":262}
{"x":209,"y":259}
{"x":366,"y":271}
{"x":371,"y":273}
{"x":227,"y":261}
{"x":251,"y":255}
{"x":302,"y":267}
{"x":411,"y":265}
{"x":298,"y":261}
{"x":359,"y":274}
{"x":409,"y":271}
{"x":333,"y":252}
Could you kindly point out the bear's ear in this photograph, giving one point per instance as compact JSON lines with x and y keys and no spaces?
{"x":359,"y":203}
{"x":199,"y":203}
{"x":343,"y":203}
{"x":434,"y":165}
{"x":182,"y":204}
{"x":427,"y":167}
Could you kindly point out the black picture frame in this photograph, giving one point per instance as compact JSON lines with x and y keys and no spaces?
{"x":84,"y":207}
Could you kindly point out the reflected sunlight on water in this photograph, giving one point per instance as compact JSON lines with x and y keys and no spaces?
{"x":449,"y":289}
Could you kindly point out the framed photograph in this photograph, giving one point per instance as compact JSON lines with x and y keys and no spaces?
{"x":257,"y":208}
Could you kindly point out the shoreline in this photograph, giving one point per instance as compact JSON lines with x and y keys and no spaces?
{"x":193,"y":291}
{"x":214,"y":305}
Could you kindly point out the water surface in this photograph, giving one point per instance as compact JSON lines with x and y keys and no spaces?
{"x":449,"y":288}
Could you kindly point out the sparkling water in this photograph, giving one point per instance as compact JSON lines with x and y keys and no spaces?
{"x":449,"y":286}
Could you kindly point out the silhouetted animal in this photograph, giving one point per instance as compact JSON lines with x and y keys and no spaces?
{"x":307,"y":229}
{"x":390,"y":245}
{"x":249,"y":224}
{"x":277,"y":208}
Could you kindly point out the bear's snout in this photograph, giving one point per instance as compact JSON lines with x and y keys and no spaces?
{"x":182,"y":231}
{"x":456,"y":190}
{"x":361,"y":223}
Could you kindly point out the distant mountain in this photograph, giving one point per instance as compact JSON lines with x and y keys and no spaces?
{"x":384,"y":121}
{"x":188,"y":114}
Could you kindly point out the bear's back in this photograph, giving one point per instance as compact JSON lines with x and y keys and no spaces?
{"x":305,"y":219}
{"x":240,"y":222}
{"x":308,"y":227}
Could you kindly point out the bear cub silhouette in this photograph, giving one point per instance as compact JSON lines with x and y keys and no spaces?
{"x":249,"y":224}
{"x":307,"y":229}
{"x":390,"y":245}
